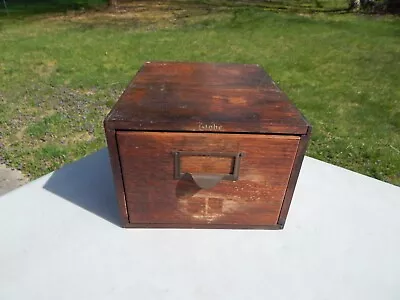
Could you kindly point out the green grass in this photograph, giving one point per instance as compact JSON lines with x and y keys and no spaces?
{"x":61,"y":73}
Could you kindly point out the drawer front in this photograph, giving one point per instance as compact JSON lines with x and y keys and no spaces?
{"x":205,"y":178}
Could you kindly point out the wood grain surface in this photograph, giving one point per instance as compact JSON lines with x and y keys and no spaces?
{"x":154,"y":196}
{"x":205,"y":97}
{"x":206,"y":164}
{"x":198,"y":109}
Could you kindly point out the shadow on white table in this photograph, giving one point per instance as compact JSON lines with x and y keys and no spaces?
{"x":89,"y":184}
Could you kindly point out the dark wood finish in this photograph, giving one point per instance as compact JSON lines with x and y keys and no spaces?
{"x":116,"y":169}
{"x":207,"y":165}
{"x":301,"y":151}
{"x":206,"y":97}
{"x":154,"y":196}
{"x":202,"y":226}
{"x":210,"y":111}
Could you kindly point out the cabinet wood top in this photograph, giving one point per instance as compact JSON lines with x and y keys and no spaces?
{"x":210,"y":97}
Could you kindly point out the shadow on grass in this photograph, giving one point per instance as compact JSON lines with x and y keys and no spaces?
{"x":308,"y":6}
{"x":36,"y":7}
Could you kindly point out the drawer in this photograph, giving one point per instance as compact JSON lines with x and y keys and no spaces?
{"x":205,"y":178}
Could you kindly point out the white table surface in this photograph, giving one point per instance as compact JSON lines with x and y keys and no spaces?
{"x":59,"y":239}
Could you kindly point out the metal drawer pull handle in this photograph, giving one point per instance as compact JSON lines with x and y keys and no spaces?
{"x":207,"y":180}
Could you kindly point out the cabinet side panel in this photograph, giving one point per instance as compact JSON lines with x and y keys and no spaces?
{"x":301,"y":151}
{"x":117,"y":174}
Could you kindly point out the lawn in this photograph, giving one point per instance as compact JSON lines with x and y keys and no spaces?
{"x":62,"y":72}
